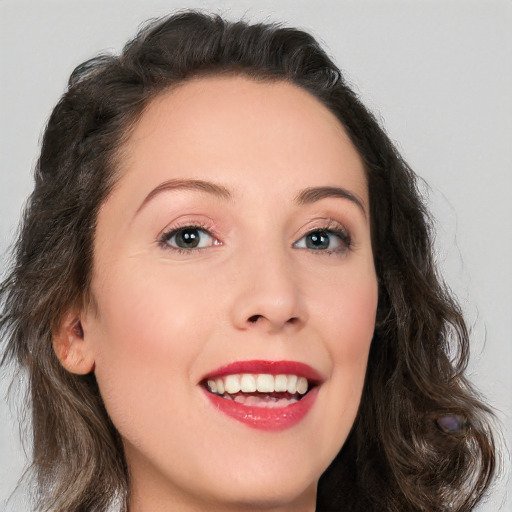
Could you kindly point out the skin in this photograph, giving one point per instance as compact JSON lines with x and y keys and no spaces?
{"x":165,"y":318}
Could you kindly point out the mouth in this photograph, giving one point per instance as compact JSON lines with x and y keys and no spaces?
{"x":269,"y":395}
{"x":261,"y":389}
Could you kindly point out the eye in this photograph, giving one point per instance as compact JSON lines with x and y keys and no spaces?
{"x":188,"y":237}
{"x":324,"y":240}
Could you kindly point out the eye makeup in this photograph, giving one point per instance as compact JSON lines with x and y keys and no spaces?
{"x":187,"y":238}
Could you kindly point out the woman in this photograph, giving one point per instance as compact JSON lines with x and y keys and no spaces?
{"x":225,"y":296}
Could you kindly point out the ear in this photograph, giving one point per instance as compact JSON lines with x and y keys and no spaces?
{"x":71,"y":347}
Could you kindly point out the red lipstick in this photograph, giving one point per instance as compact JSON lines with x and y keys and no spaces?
{"x":273,"y":367}
{"x":261,"y":417}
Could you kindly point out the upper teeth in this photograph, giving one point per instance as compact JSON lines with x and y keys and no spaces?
{"x":262,"y":382}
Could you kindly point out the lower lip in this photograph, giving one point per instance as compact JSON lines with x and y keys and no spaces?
{"x":262,"y":418}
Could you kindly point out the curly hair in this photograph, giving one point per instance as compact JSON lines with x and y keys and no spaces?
{"x":421,"y":441}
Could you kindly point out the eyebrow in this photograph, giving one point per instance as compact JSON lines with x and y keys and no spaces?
{"x":307,"y":196}
{"x":181,"y":184}
{"x":313,"y":194}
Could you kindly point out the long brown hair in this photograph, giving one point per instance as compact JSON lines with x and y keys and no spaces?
{"x":421,"y":440}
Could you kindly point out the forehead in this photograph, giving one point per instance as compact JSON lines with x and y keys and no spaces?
{"x":236,"y":129}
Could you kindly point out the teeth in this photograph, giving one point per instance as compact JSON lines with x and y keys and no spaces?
{"x":265,"y":383}
{"x":212,"y":386}
{"x":248,"y":383}
{"x":302,"y":385}
{"x":281,"y":383}
{"x":292,"y":384}
{"x":267,"y":402}
{"x":232,"y":384}
{"x":261,"y":382}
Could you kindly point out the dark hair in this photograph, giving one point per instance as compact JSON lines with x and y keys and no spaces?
{"x":421,"y":440}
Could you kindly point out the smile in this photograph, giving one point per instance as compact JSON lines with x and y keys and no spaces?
{"x":268,"y":395}
{"x":260,"y":390}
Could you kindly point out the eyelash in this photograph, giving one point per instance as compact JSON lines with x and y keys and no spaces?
{"x":332,"y":228}
{"x":164,"y":239}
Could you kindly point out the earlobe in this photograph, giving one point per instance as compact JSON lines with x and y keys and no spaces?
{"x":71,"y":347}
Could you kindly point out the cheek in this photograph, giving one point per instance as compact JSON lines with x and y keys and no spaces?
{"x":147,"y":336}
{"x":143,"y":314}
{"x":357,"y":319}
{"x":348,"y":308}
{"x":349,"y":317}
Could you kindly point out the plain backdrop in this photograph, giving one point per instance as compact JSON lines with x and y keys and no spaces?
{"x":438,"y":74}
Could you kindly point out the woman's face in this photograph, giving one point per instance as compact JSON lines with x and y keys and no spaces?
{"x":234,"y":251}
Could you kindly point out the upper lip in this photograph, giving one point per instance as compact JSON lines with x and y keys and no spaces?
{"x":271,"y":367}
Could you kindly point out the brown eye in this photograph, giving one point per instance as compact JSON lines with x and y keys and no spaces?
{"x":189,"y":237}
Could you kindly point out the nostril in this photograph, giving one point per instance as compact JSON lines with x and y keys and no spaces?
{"x":254,"y":318}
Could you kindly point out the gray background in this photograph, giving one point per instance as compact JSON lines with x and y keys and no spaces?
{"x":439,"y":75}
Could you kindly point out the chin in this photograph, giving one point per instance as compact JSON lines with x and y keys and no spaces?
{"x":269,"y":486}
{"x":280,"y":494}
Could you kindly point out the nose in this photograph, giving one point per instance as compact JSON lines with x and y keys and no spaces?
{"x":268,"y":296}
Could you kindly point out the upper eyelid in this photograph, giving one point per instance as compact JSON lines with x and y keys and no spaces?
{"x":341,"y":233}
{"x":176,"y":229}
{"x":187,"y":252}
{"x":186,"y":222}
{"x":318,"y":224}
{"x":329,"y":225}
{"x":173,"y":231}
{"x":168,"y":233}
{"x":326,"y":224}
